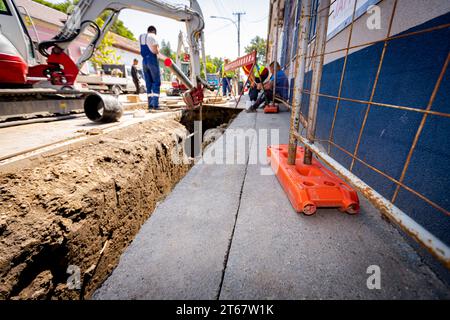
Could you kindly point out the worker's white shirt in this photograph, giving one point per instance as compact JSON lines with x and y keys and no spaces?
{"x":150,"y":39}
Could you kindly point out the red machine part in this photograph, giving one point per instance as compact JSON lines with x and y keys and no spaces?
{"x":179,"y":86}
{"x":168,"y":62}
{"x":60,"y":70}
{"x":194,"y":97}
{"x":272,"y":108}
{"x":311,"y":186}
{"x":13,"y":69}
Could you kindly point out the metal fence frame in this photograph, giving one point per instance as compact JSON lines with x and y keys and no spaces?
{"x":387,"y":206}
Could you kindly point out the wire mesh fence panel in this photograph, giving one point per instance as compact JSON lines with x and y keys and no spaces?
{"x":383,"y":110}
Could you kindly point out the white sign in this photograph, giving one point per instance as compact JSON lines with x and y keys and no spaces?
{"x":341,"y":14}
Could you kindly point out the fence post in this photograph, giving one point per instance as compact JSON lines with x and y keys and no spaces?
{"x":321,"y":42}
{"x":299,"y":74}
{"x":275,"y":56}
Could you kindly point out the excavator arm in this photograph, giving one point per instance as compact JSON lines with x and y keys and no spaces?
{"x":87,"y":11}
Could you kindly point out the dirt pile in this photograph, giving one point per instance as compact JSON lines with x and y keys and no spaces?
{"x":77,"y":211}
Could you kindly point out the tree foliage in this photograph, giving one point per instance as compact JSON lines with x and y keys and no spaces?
{"x":259,"y":44}
{"x":217,"y":62}
{"x":166,"y":50}
{"x":105,"y":53}
{"x":61,"y":6}
{"x":213,"y":64}
{"x":120,"y":29}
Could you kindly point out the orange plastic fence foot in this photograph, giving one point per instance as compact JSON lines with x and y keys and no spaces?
{"x":271,"y":108}
{"x":309,"y":187}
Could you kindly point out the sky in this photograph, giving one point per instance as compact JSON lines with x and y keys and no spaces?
{"x":220,"y":35}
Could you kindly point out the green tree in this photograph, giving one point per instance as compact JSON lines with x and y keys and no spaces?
{"x":105,"y":53}
{"x":212,"y":66}
{"x":259,"y":44}
{"x":217,"y":62}
{"x":120,"y":29}
{"x":166,"y":50}
{"x":61,"y":6}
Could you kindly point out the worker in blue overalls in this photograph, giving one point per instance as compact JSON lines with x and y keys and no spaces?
{"x":152,"y":72}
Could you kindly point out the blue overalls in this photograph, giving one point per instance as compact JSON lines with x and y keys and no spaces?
{"x":152,"y":73}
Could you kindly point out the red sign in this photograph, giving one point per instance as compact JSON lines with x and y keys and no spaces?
{"x":249,"y":59}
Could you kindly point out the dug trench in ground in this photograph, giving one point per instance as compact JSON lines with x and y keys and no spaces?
{"x":79,"y":210}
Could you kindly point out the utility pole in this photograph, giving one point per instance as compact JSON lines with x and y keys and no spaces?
{"x":239,"y":14}
{"x":238,"y":26}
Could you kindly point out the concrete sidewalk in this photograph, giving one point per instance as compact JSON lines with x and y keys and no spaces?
{"x":228,"y":232}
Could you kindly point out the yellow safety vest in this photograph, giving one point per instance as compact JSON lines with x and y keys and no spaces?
{"x":228,"y":74}
{"x":257,"y":70}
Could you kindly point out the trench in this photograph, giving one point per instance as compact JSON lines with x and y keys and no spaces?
{"x":65,"y":221}
{"x":213,"y":119}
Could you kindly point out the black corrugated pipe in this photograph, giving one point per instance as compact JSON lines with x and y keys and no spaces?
{"x":103,"y":108}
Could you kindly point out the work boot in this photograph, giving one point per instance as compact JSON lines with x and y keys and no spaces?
{"x":150,"y":104}
{"x":154,"y":102}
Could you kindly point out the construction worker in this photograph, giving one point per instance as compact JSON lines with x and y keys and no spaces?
{"x":152,"y":72}
{"x":227,"y":78}
{"x":259,"y":75}
{"x":281,"y":87}
{"x":135,"y":76}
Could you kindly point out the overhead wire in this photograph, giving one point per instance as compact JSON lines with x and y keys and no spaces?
{"x":221,"y":28}
{"x":217,"y":6}
{"x":260,"y":20}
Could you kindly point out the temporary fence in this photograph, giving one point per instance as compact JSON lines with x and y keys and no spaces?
{"x":309,"y":64}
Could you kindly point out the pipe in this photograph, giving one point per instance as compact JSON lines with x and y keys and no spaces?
{"x":178,"y":72}
{"x":436,"y":247}
{"x":206,"y":84}
{"x":102,"y":108}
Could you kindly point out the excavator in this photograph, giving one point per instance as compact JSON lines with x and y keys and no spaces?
{"x":28,"y":87}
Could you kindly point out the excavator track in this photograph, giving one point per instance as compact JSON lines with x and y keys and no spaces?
{"x":22,"y":104}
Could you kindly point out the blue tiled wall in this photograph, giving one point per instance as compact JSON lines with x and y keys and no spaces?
{"x":410,"y":70}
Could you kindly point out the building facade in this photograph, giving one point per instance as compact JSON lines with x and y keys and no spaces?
{"x":384,"y":109}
